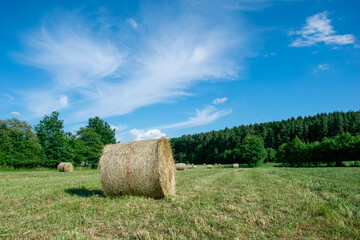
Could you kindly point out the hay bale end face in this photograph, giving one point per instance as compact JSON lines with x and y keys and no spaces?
{"x":209,"y":166}
{"x":144,"y":168}
{"x":65,"y":167}
{"x":235,"y":165}
{"x":180,"y":166}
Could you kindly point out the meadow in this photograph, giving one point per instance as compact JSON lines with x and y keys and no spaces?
{"x":221,"y":203}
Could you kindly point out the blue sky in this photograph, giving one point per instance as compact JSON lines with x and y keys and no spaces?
{"x":155,"y":68}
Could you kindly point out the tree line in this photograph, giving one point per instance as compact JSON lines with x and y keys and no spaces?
{"x":48,"y":144}
{"x":324,"y":139}
{"x":224,"y":146}
{"x":329,"y":152}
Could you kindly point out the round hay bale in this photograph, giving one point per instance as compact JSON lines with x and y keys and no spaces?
{"x":209,"y":166}
{"x":235,"y":165}
{"x":189,"y":166}
{"x":194,"y":166}
{"x":180,"y":166}
{"x":144,"y":168}
{"x":204,"y":164}
{"x":65,"y":167}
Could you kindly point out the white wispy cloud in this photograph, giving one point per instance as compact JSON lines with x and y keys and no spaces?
{"x":137,"y":134}
{"x":119,"y":131}
{"x":270,"y":54}
{"x":44,"y":102}
{"x":205,"y":116}
{"x":132,"y":23}
{"x":15,"y":113}
{"x":219,"y":100}
{"x":324,"y":66}
{"x":7,"y":97}
{"x":72,"y":54}
{"x":246,"y":5}
{"x":318,"y":29}
{"x":113,"y":71}
{"x":119,"y":128}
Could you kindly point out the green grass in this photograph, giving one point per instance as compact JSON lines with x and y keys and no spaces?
{"x":219,"y":203}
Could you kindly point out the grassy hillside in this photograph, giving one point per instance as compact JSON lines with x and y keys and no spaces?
{"x":219,"y":203}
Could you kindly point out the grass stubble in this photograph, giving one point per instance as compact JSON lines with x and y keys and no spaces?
{"x":218,"y":203}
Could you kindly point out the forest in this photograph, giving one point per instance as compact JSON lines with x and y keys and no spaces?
{"x":318,"y":132}
{"x":321,"y":140}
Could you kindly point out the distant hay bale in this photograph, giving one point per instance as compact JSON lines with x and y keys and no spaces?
{"x":209,"y":166}
{"x":138,"y":168}
{"x":204,"y":164}
{"x":65,"y":167}
{"x":235,"y":165}
{"x":189,"y":166}
{"x":180,"y":166}
{"x":194,"y":166}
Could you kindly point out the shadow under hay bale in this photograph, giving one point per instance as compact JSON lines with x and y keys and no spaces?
{"x":65,"y":167}
{"x":180,"y":166}
{"x":83,"y":192}
{"x":144,"y":168}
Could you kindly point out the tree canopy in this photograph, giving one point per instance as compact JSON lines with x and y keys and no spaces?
{"x":99,"y":126}
{"x":19,"y":145}
{"x":252,"y":151}
{"x":54,"y":141}
{"x":323,"y":139}
{"x":222,"y":146}
{"x":88,"y":146}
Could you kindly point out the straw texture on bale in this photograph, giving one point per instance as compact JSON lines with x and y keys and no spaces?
{"x":144,"y":168}
{"x":235,"y":165}
{"x":65,"y":167}
{"x":209,"y":166}
{"x":180,"y":166}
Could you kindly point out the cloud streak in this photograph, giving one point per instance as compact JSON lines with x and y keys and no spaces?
{"x":132,"y":23}
{"x":205,"y":116}
{"x":318,"y":29}
{"x":324,"y":67}
{"x":97,"y":70}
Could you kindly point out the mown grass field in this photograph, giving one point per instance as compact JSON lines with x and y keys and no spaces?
{"x":219,"y":203}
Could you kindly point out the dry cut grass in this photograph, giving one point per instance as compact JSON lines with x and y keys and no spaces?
{"x":218,"y":203}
